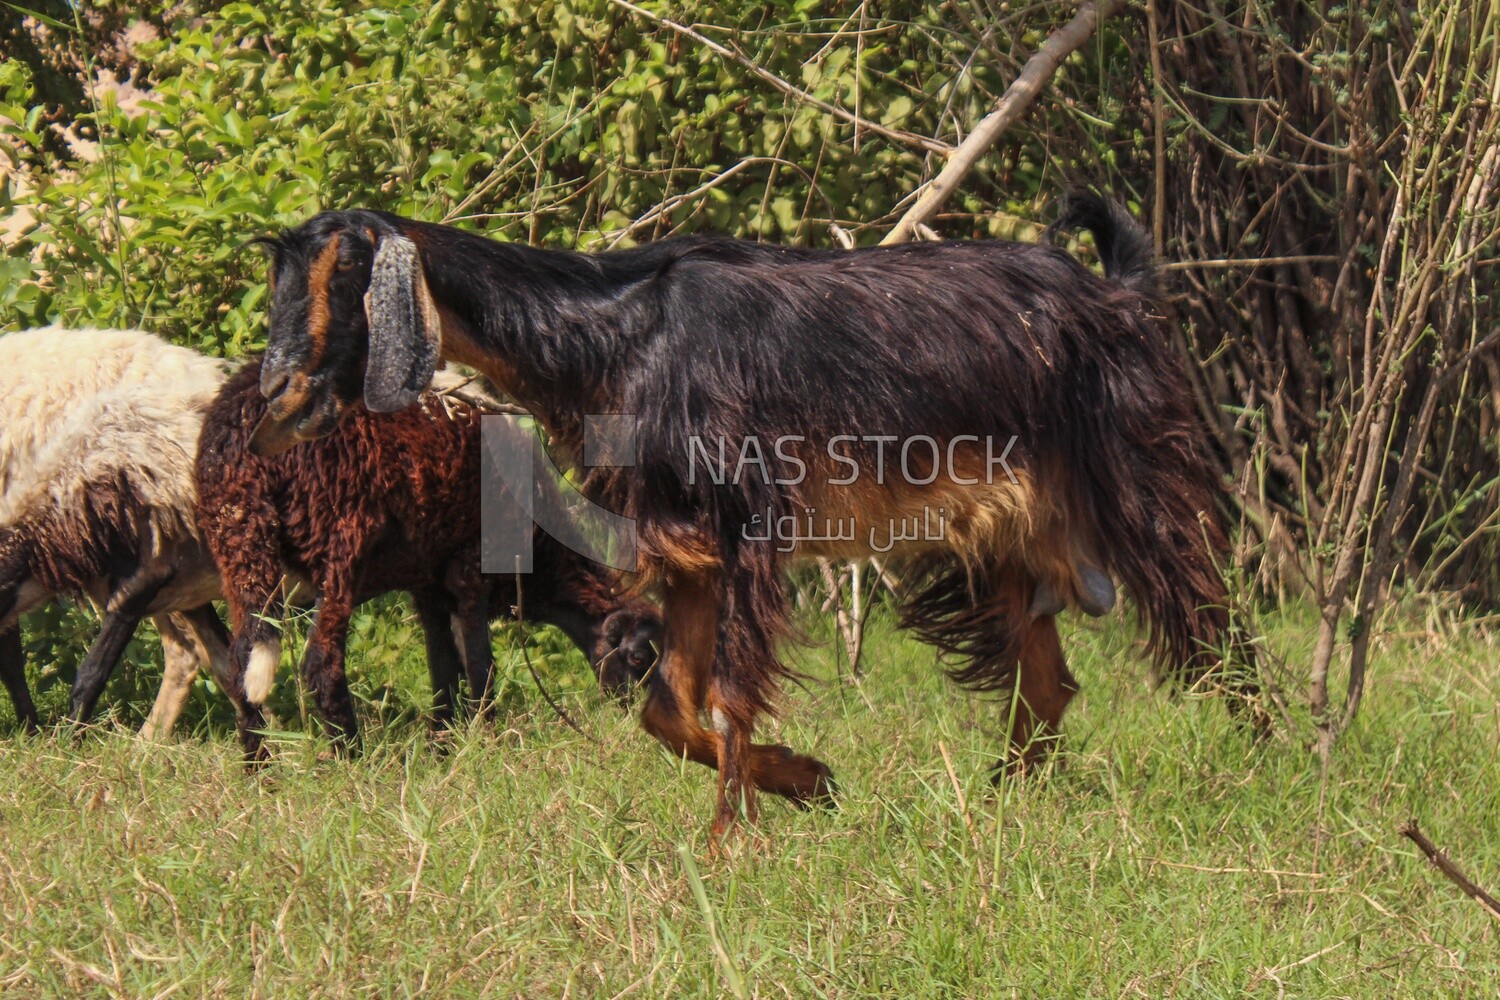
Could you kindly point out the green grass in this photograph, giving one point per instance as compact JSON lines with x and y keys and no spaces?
{"x":1165,"y":856}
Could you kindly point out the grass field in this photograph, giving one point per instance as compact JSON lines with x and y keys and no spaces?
{"x":1165,"y":855}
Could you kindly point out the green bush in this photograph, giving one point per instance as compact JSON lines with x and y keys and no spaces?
{"x":554,"y":122}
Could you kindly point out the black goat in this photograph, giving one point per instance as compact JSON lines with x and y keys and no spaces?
{"x":1044,"y":429}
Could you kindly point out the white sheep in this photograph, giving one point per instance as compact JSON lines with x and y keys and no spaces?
{"x":98,"y":436}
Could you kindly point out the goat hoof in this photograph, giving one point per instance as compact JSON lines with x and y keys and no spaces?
{"x":1029,"y":762}
{"x":815,"y":786}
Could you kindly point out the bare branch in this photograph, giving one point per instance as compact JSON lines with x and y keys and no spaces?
{"x":1039,"y":69}
{"x":1449,"y":869}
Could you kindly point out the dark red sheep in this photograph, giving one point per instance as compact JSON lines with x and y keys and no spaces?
{"x":388,"y":503}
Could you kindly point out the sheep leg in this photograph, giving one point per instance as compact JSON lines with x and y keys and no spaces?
{"x":469,"y":594}
{"x":191,"y":640}
{"x":444,"y":662}
{"x":250,"y":717}
{"x":255,"y":614}
{"x":126,"y":607}
{"x":472,"y":627}
{"x":213,"y":641}
{"x":180,"y":669}
{"x":15,"y":561}
{"x":103,"y":655}
{"x":323,"y":667}
{"x":13,"y":674}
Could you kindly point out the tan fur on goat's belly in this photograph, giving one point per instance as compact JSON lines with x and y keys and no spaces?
{"x":978,"y":523}
{"x":1015,"y":523}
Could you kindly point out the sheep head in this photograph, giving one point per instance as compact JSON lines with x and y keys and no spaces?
{"x":633,"y":639}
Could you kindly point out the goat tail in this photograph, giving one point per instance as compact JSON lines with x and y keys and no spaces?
{"x":1125,"y":248}
{"x":1143,"y":475}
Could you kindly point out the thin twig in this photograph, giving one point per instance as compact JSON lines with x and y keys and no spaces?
{"x":526,"y":655}
{"x":1449,"y":869}
{"x":1158,"y":134}
{"x":1275,"y":872}
{"x":895,"y":135}
{"x":1018,"y":97}
{"x":1228,"y":262}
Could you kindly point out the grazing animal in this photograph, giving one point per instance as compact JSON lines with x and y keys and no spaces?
{"x":1024,"y":422}
{"x":387,"y":502}
{"x":98,"y":429}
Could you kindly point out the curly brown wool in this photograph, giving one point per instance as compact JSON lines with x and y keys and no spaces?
{"x":386,"y":503}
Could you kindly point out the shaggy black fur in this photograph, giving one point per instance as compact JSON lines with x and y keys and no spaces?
{"x":719,"y":339}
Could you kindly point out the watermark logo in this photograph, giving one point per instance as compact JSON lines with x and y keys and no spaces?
{"x":523,"y":492}
{"x":918,"y":460}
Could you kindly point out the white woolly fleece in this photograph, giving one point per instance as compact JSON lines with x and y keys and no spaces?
{"x":87,"y":406}
{"x":260,"y":674}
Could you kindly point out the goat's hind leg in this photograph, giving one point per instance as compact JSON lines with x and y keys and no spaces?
{"x":1043,"y":688}
{"x":992,"y":621}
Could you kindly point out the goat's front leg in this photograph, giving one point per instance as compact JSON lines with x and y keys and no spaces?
{"x":679,"y":689}
{"x":323,"y":665}
{"x":124,"y":611}
{"x":13,"y":675}
{"x":676,"y":689}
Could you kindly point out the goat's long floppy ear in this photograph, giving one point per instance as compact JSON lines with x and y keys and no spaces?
{"x":405,"y":331}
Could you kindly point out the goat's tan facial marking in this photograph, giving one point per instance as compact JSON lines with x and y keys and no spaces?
{"x":317,"y":299}
{"x":281,"y":427}
{"x":291,"y":400}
